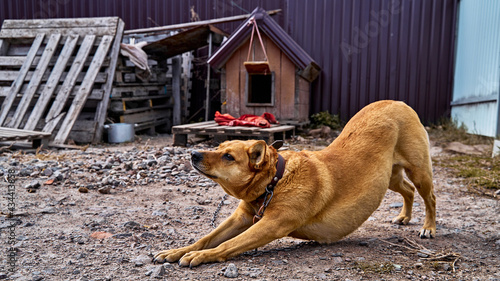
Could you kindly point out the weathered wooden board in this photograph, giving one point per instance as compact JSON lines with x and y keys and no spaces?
{"x":35,"y":81}
{"x":81,"y":97}
{"x":103,"y":105}
{"x":16,"y":86}
{"x":10,"y":75}
{"x":52,"y":82}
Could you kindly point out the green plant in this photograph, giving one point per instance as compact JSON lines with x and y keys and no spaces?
{"x":324,"y":118}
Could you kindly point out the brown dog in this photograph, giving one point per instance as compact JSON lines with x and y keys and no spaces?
{"x":323,"y":195}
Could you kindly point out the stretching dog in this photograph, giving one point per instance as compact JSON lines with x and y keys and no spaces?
{"x":315,"y":195}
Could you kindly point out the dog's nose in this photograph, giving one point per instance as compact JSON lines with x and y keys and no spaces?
{"x":196,"y":156}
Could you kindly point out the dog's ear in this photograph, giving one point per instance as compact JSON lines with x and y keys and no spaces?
{"x":257,"y":154}
{"x":277,"y":144}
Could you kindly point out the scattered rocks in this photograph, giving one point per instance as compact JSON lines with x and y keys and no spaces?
{"x":231,"y":271}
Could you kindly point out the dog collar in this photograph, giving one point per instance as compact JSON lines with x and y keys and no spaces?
{"x":268,"y":195}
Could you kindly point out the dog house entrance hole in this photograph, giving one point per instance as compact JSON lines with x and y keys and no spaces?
{"x":260,"y":89}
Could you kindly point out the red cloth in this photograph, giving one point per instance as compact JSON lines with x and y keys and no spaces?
{"x":263,"y":121}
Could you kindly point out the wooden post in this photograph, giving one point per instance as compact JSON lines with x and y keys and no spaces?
{"x":207,"y":101}
{"x":176,"y":89}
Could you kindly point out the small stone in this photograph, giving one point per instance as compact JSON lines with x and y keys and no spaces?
{"x":121,"y":235}
{"x":105,"y":190}
{"x":47,"y":172}
{"x":158,"y":272}
{"x":49,"y":210}
{"x":83,"y":189}
{"x":419,"y":265}
{"x":337,"y":255}
{"x":363,"y":243}
{"x":58,"y":175}
{"x":132,"y":224}
{"x":33,"y":185}
{"x":141,"y":260}
{"x":397,"y":267}
{"x":231,"y":271}
{"x":159,"y":213}
{"x":396,"y":205}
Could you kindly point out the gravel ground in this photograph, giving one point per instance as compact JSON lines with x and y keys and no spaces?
{"x":101,"y":214}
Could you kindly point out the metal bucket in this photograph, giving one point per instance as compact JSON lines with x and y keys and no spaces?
{"x":120,"y":132}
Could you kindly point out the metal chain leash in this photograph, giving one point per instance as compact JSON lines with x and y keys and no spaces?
{"x":216,"y":213}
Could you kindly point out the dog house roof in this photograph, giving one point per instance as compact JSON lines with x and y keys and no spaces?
{"x":310,"y":69}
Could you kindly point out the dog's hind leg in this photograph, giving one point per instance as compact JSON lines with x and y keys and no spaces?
{"x":422,"y":178}
{"x":406,"y":189}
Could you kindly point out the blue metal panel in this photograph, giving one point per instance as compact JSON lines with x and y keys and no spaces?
{"x":476,"y":91}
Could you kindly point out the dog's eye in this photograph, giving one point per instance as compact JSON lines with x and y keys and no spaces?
{"x":228,"y":157}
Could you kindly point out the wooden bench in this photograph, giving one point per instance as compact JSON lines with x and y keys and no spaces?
{"x":211,"y":128}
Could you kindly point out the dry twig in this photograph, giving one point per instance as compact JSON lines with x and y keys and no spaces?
{"x":442,"y":257}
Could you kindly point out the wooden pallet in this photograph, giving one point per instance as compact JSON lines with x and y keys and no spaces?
{"x":211,"y":128}
{"x":50,"y":68}
{"x":37,"y":138}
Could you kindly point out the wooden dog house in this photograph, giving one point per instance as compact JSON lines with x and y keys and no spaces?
{"x":284,"y":91}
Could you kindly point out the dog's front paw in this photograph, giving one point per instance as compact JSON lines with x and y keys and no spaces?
{"x":169,"y":255}
{"x":427,"y":232}
{"x":196,"y":258}
{"x":401,"y":220}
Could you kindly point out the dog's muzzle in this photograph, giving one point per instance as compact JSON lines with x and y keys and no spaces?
{"x":196,"y":162}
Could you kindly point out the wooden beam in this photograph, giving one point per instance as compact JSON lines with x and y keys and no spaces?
{"x":16,"y":86}
{"x":194,"y":24}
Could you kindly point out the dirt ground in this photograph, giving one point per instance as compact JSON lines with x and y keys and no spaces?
{"x":144,"y":197}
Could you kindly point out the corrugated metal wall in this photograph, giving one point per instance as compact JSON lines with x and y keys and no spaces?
{"x":476,"y":92}
{"x":368,"y":49}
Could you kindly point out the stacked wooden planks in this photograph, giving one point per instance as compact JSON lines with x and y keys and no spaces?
{"x":53,"y":70}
